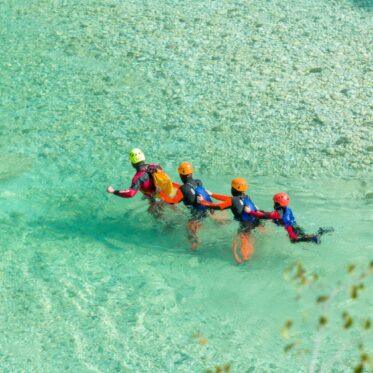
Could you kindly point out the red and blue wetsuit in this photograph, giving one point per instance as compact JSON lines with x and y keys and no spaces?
{"x":284,"y":217}
{"x":142,"y":182}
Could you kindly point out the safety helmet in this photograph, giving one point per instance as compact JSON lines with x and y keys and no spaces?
{"x":282,"y":199}
{"x":185,"y":168}
{"x":136,"y":156}
{"x":239,"y":184}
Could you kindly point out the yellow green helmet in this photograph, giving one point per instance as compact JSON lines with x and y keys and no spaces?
{"x":136,"y":156}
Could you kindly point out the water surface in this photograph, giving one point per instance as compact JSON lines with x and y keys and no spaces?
{"x":278,"y":92}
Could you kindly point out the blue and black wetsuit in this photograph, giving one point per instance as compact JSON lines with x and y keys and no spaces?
{"x":247,"y":221}
{"x":191,"y":189}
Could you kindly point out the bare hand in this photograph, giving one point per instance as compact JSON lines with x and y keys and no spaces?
{"x":200,"y":199}
{"x":110,"y":189}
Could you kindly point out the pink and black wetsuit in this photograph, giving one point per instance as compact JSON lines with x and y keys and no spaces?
{"x":142,"y":182}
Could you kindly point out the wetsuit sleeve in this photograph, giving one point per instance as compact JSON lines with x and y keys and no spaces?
{"x":129,"y":193}
{"x":189,"y":196}
{"x":133,"y":189}
{"x":292,"y":235}
{"x":265,"y":215}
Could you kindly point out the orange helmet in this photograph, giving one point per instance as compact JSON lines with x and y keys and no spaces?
{"x":282,"y":199}
{"x":239,"y":184}
{"x":185,"y":168}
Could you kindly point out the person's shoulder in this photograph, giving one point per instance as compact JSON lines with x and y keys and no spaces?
{"x":289,"y":213}
{"x":186,"y":187}
{"x":155,"y":165}
{"x":236,"y":199}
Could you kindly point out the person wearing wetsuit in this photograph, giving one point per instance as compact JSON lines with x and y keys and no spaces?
{"x":142,"y":181}
{"x":283,"y":216}
{"x":241,"y":206}
{"x":188,"y":193}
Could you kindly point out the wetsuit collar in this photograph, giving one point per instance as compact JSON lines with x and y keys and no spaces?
{"x":279,"y":208}
{"x":236,"y":193}
{"x":186,"y":178}
{"x":138,"y":166}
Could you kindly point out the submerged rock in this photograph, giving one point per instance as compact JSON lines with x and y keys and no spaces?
{"x":315,"y":70}
{"x":13,"y":165}
{"x":343,"y":141}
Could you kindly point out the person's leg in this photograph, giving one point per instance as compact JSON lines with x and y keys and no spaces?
{"x":234,"y":248}
{"x":298,"y":230}
{"x":315,"y":238}
{"x":303,"y":237}
{"x":245,"y":241}
{"x":324,"y":230}
{"x":156,"y":208}
{"x":219,"y":218}
{"x":247,"y":245}
{"x":193,"y":228}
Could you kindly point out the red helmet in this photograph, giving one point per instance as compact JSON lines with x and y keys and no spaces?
{"x":282,"y":199}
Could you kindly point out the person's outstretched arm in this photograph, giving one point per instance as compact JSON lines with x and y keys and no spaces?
{"x":128,"y":193}
{"x":132,"y":190}
{"x":274,"y":215}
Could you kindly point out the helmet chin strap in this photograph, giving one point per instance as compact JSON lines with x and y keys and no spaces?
{"x":277,"y":207}
{"x":235,"y":192}
{"x":184,"y":178}
{"x":137,"y":165}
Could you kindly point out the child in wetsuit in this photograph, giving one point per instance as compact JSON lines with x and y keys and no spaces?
{"x":283,"y":216}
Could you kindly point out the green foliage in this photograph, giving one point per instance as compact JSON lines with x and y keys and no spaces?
{"x":226,"y":368}
{"x":288,"y":347}
{"x":354,"y":290}
{"x":351,"y":288}
{"x":297,"y":274}
{"x":367,"y":324}
{"x":323,"y":320}
{"x":285,"y":331}
{"x":351,"y":268}
{"x":322,"y":299}
{"x":347,"y":320}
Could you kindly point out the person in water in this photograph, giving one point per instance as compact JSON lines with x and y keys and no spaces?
{"x":241,"y":206}
{"x":283,"y":216}
{"x":188,"y":193}
{"x":142,"y":181}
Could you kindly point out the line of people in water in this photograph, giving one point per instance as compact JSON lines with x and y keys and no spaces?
{"x":158,"y":189}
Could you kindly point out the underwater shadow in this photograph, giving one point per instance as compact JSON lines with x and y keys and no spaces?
{"x":104,"y":229}
{"x":118,"y":232}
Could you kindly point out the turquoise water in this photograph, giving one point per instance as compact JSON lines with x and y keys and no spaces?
{"x":279,"y":92}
